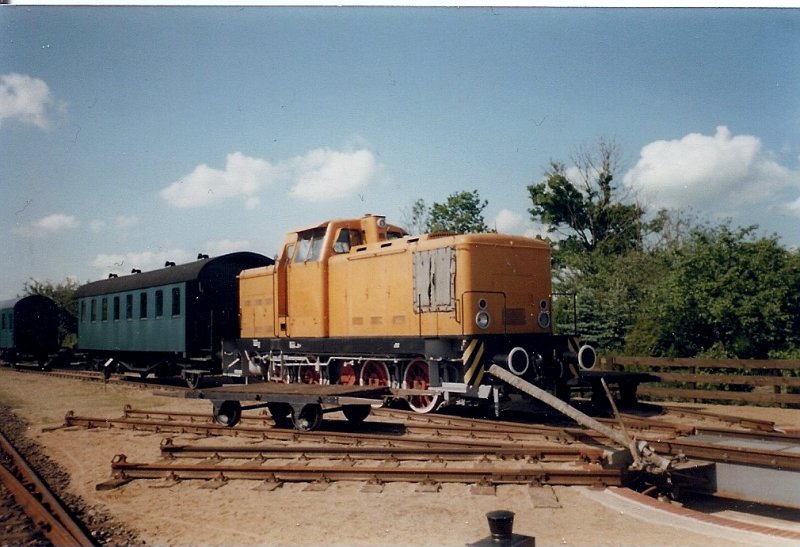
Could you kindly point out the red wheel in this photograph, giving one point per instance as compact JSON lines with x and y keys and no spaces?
{"x":348,"y":375}
{"x":374,"y":373}
{"x":418,"y":376}
{"x":309,"y":374}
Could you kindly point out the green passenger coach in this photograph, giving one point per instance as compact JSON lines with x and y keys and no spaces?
{"x":165,"y":321}
{"x":29,"y":328}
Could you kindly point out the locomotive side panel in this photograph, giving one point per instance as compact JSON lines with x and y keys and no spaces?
{"x":257,"y":302}
{"x":370,"y":293}
{"x":509,"y":280}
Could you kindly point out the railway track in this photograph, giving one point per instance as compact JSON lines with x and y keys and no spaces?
{"x":430,"y":449}
{"x":42,"y":506}
{"x":428,"y":456}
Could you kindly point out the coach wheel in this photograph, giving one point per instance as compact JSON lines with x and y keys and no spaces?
{"x":374,"y":373}
{"x":228,"y":413}
{"x":281,"y":414}
{"x":418,"y":376}
{"x":192,"y":380}
{"x":356,"y":413}
{"x":308,"y":419}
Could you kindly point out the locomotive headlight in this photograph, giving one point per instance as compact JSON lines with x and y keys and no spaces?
{"x":544,"y":319}
{"x":483,"y":319}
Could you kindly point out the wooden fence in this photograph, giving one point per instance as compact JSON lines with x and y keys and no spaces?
{"x":760,"y":382}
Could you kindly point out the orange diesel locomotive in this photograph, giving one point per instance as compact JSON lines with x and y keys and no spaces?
{"x":359,"y":302}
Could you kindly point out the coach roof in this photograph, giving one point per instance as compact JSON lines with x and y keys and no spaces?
{"x":169,"y":275}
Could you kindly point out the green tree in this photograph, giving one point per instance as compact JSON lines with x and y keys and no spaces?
{"x":586,"y":207}
{"x":726,"y":293}
{"x":415,"y":219}
{"x":63,"y":294}
{"x":462,"y":213}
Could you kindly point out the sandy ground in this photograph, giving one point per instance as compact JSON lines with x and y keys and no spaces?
{"x":343,"y":515}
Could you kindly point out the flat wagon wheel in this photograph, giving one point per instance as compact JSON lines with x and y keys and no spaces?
{"x":228,"y":413}
{"x":356,"y":413}
{"x":418,"y":376}
{"x":374,"y":373}
{"x":281,"y":414}
{"x":309,"y":418}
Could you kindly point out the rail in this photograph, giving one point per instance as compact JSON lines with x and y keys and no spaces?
{"x":773,"y":382}
{"x":39,"y":502}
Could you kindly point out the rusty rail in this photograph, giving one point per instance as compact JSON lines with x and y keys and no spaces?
{"x":593,"y":475}
{"x":354,"y":453}
{"x":39,"y":502}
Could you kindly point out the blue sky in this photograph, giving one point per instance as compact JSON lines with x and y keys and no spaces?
{"x":135,"y":135}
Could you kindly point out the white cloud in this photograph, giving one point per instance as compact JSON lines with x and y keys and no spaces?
{"x":320,"y":175}
{"x":324,"y":174}
{"x":703,"y":171}
{"x":225,"y":246}
{"x":123,"y":263}
{"x":47,"y":226}
{"x":243,"y":176}
{"x":121,"y":222}
{"x":26,"y":99}
{"x":509,"y":222}
{"x":794,"y":207}
{"x":126,"y":221}
{"x":97,"y":226}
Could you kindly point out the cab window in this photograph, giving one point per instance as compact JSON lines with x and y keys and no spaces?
{"x":346,"y":239}
{"x":309,"y":245}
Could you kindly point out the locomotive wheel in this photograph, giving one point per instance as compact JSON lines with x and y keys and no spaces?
{"x":348,"y":375}
{"x":308,"y":419}
{"x":228,"y":413}
{"x":308,"y":374}
{"x":418,"y":376}
{"x":374,"y":373}
{"x":281,"y":413}
{"x":356,"y":413}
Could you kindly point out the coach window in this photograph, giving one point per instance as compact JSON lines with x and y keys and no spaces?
{"x":159,"y":303}
{"x":128,"y":306}
{"x":176,"y":301}
{"x":83,"y":311}
{"x":116,"y":308}
{"x":104,"y":309}
{"x":94,"y":309}
{"x":142,"y":305}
